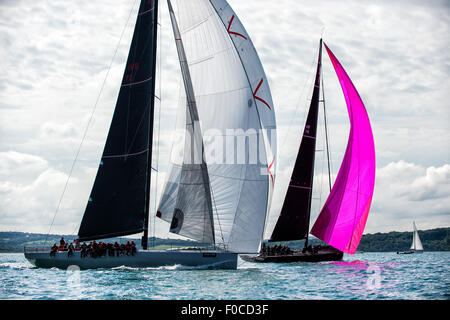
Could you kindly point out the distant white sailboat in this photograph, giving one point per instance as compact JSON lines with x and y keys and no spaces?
{"x":416,"y":245}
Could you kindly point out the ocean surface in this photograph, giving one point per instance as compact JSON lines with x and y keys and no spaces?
{"x":363,"y":276}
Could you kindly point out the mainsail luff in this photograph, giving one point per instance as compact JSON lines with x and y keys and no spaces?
{"x":118,"y":203}
{"x":192,"y":188}
{"x":293,"y":222}
{"x":342,"y":220}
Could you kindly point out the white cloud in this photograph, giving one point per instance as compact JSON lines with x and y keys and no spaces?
{"x":15,"y":165}
{"x":405,"y":192}
{"x":55,"y":58}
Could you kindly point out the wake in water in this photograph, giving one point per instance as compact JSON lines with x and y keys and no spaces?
{"x":366,"y":276}
{"x":173,"y":267}
{"x":16,"y":265}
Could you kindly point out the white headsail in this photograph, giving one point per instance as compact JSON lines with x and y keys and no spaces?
{"x":237,"y":120}
{"x":416,"y":243}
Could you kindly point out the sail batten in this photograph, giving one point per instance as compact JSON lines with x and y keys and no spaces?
{"x":342,"y":220}
{"x":118,"y":203}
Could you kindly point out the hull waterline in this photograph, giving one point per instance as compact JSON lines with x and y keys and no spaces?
{"x":324,"y":254}
{"x":409,"y":252}
{"x":142,"y":259}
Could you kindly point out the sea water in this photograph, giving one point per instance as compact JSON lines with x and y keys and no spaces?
{"x":363,"y":276}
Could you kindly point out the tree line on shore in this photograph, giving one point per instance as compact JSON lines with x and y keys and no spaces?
{"x":432,"y":240}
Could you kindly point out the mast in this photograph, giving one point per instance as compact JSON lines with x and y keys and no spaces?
{"x":317,"y":83}
{"x":144,"y":240}
{"x":293,"y":222}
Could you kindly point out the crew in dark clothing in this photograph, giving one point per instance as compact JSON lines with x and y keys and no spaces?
{"x":83,"y":252}
{"x":128,"y":248}
{"x":92,"y":250}
{"x":263,"y":248}
{"x":133,"y":248}
{"x":70,"y":250}
{"x":53,"y":250}
{"x":277,"y":249}
{"x":117,"y":248}
{"x":110,"y":250}
{"x":101,"y":249}
{"x":77,"y":245}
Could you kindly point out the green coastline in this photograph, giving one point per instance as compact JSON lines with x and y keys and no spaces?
{"x":433,"y":240}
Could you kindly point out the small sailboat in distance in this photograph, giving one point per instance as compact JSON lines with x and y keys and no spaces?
{"x":342,"y":219}
{"x":416,"y":245}
{"x":221,"y":204}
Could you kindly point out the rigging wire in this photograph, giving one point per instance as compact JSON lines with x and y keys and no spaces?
{"x":89,"y":122}
{"x":299,"y":103}
{"x":327,"y":136}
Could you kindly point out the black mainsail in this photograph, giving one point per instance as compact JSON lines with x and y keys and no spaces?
{"x":119,"y":201}
{"x":293,"y":222}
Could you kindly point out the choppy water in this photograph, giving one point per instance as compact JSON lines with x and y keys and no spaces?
{"x":361,"y":276}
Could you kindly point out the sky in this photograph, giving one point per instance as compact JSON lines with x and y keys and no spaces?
{"x":61,"y":65}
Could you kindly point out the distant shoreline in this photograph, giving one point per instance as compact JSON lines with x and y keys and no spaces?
{"x":437,"y":239}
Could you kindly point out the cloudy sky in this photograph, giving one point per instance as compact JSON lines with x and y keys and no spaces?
{"x":55,"y":56}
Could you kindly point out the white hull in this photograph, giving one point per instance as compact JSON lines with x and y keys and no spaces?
{"x":148,"y":258}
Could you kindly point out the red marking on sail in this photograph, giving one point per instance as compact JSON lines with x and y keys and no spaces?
{"x":268,"y":170}
{"x":158,"y":214}
{"x":137,"y":82}
{"x":143,"y":12}
{"x":258,"y":98}
{"x":231,"y":32}
{"x":299,"y":187}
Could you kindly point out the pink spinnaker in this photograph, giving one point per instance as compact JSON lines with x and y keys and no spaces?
{"x":343,"y":218}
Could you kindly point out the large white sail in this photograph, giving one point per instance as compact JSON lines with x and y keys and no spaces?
{"x":234,"y":105}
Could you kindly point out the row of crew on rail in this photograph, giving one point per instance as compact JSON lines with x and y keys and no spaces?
{"x":275,"y":250}
{"x":95,"y":249}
